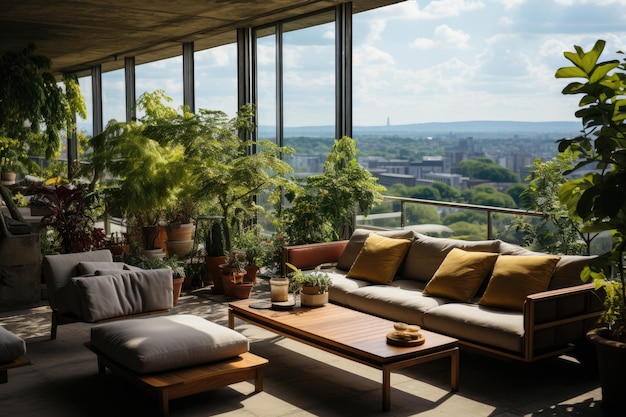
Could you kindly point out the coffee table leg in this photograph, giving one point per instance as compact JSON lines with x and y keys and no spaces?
{"x":454,"y":370}
{"x":386,"y":388}
{"x":231,"y":319}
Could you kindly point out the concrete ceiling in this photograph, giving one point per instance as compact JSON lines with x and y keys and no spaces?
{"x":78,"y":34}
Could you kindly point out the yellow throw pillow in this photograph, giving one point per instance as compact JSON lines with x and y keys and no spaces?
{"x":516,"y":277}
{"x":460,"y":275}
{"x":379,"y":259}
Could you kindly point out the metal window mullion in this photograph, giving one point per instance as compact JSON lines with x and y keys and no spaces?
{"x":189,"y":94}
{"x":129,"y":86}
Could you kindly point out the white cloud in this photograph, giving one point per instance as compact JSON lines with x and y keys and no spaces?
{"x":444,"y":37}
{"x":440,"y":9}
{"x":594,"y":2}
{"x":511,"y":4}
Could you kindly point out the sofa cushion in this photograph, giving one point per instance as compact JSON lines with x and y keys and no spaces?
{"x":165,"y":343}
{"x":500,"y":329}
{"x":355,"y":244}
{"x":401,"y":301}
{"x":124,"y":293}
{"x":90,"y":268}
{"x":342,"y":285}
{"x":460,"y":275}
{"x":515,"y":277}
{"x":427,"y":253}
{"x":11,"y":346}
{"x":379,"y":259}
{"x":567,"y":271}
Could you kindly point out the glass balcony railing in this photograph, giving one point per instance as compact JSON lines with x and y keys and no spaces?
{"x":442,"y":218}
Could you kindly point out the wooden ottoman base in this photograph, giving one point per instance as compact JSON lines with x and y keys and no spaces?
{"x":179,"y":383}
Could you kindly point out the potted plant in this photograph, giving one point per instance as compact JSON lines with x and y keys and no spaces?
{"x":599,"y":198}
{"x":233,"y":272}
{"x":215,"y":254}
{"x":252,"y":242}
{"x":312,"y":287}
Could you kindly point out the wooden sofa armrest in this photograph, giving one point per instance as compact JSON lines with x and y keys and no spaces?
{"x":310,"y":255}
{"x":558,"y":317}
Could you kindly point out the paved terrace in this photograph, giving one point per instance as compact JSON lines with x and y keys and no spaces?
{"x":299,"y":380}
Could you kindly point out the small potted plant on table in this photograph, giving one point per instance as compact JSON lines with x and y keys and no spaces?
{"x":312,"y":287}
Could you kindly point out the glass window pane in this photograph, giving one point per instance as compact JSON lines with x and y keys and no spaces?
{"x":309,"y":94}
{"x":216,"y":79}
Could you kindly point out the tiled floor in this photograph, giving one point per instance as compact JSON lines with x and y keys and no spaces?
{"x":299,"y":380}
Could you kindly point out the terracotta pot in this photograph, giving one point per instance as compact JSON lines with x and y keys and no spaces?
{"x":180,"y":248}
{"x":179,"y":231}
{"x":178,"y":285}
{"x":243,"y":290}
{"x":612,"y":368}
{"x":251,"y":270}
{"x":214,"y":273}
{"x":231,"y":280}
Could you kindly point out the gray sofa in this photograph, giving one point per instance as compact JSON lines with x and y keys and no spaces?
{"x":524,"y":324}
{"x":90,"y":287}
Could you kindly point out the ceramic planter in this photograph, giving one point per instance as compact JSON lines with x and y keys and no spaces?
{"x":612,"y":368}
{"x":313,"y":300}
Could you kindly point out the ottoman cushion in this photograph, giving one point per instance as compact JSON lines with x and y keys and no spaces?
{"x":165,"y":343}
{"x":11,"y":346}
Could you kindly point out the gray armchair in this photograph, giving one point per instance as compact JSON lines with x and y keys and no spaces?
{"x":90,"y":287}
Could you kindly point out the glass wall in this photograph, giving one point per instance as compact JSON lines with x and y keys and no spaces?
{"x":113,"y":99}
{"x":216,"y":79}
{"x":266,"y":84}
{"x":166,"y":75}
{"x":309,"y":92}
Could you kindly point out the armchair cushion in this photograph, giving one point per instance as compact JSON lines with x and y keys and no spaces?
{"x":169,"y":342}
{"x":124,"y":293}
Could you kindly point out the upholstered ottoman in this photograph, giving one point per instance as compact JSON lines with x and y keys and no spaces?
{"x":12,"y":351}
{"x":174,"y":356}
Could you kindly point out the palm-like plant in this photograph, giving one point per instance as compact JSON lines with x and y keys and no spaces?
{"x":599,"y":196}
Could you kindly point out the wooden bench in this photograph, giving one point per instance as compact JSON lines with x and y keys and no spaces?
{"x":179,"y":383}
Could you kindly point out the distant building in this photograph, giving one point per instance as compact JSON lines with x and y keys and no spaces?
{"x":388,"y":180}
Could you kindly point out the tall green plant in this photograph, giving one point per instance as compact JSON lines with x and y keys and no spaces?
{"x":35,"y":109}
{"x":599,"y":196}
{"x":324,"y":208}
{"x":558,"y":231}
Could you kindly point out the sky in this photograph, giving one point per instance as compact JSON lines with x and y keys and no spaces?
{"x":417,"y":61}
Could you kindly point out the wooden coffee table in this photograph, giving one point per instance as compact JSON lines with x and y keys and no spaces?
{"x":353,"y":335}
